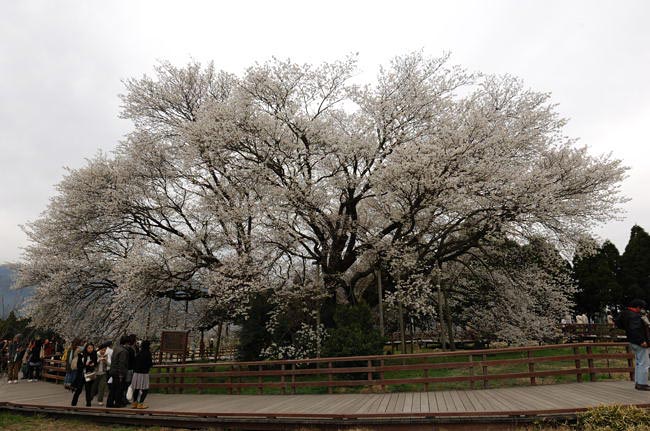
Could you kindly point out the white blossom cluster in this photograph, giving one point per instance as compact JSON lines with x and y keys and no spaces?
{"x":231,"y":185}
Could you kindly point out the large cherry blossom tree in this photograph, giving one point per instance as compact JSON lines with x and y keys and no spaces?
{"x":231,"y":185}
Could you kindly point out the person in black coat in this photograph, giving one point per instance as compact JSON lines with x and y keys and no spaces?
{"x":34,"y":361}
{"x":638,"y":335}
{"x":117,"y":374}
{"x":140,"y":382}
{"x":86,"y":363}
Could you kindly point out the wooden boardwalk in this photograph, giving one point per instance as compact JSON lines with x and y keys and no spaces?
{"x":515,"y":401}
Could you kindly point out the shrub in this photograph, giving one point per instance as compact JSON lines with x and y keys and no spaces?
{"x":354,"y":333}
{"x":614,"y":418}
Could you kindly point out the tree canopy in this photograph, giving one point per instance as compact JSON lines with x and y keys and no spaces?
{"x":295,"y":178}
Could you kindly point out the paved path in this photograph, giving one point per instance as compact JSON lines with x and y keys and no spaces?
{"x":532,"y":399}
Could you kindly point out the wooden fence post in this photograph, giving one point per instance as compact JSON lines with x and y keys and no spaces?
{"x":577,"y":362}
{"x":239,"y":380}
{"x":426,"y":376}
{"x":590,"y":364}
{"x":471,"y":371}
{"x":485,"y":373}
{"x":329,"y":377}
{"x":232,"y":369}
{"x":630,"y":364}
{"x":531,"y":368}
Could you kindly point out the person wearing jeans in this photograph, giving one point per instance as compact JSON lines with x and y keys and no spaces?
{"x":638,"y":335}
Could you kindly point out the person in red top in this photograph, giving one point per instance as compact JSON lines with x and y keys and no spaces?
{"x":48,"y":349}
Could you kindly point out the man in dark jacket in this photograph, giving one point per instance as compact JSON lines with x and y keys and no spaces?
{"x":637,"y":335}
{"x":118,"y":370}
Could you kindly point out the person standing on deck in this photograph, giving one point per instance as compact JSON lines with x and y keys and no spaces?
{"x":100,"y":387}
{"x":638,"y":336}
{"x":16,"y":352}
{"x":117,"y":374}
{"x":86,"y":373}
{"x":70,"y":358}
{"x":34,"y":360}
{"x":140,"y":382}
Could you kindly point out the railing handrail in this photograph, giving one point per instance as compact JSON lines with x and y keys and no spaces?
{"x":370,"y":370}
{"x":404,"y":356}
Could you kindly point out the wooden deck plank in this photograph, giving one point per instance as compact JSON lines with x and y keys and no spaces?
{"x":449,"y":402}
{"x":467,"y":402}
{"x":367,"y":405}
{"x":415,"y":405}
{"x":458,"y":404}
{"x":408,"y":402}
{"x":522,"y":398}
{"x":424,"y":402}
{"x":392,"y":403}
{"x":433,"y":402}
{"x":478,"y":402}
{"x":383,"y":405}
{"x":401,"y":399}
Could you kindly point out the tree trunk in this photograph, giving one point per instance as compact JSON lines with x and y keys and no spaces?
{"x":218,"y":344}
{"x":380,"y":297}
{"x":412,"y":331}
{"x":331,"y":284}
{"x":450,"y":325}
{"x":402,"y":333}
{"x":441,"y":315}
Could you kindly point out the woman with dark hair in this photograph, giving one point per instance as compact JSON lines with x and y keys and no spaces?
{"x":70,"y":357}
{"x":86,"y":363}
{"x":34,"y":361}
{"x":140,"y":382}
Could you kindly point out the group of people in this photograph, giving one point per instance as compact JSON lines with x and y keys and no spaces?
{"x":110,"y":370}
{"x":26,"y":356}
{"x":105,"y":370}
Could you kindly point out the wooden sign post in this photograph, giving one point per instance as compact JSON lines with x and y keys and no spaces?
{"x":174,"y":342}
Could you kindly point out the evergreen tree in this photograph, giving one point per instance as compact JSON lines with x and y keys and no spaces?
{"x":12,"y":325}
{"x":596,"y":276}
{"x":635,"y":266}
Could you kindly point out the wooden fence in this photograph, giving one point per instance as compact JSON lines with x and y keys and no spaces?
{"x":470,"y":369}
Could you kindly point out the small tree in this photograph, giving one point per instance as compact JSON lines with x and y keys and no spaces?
{"x":355,"y":333}
{"x":635,"y":266}
{"x":596,"y":276}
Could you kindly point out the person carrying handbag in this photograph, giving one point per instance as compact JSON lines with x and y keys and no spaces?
{"x":86,"y":373}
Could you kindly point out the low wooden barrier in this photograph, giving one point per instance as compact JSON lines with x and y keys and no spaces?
{"x":468,"y":369}
{"x":53,"y":370}
{"x":424,"y":371}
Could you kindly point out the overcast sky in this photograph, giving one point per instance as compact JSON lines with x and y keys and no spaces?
{"x":62,"y":62}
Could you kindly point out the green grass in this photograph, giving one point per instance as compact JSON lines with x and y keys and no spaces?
{"x":17,"y":422}
{"x":460,"y":356}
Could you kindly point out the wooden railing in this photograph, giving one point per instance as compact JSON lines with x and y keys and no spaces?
{"x":470,"y":369}
{"x":53,"y":370}
{"x":425,"y":371}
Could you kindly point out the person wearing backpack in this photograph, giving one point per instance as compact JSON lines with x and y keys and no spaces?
{"x":638,"y":335}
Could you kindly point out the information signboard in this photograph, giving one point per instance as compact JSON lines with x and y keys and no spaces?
{"x":174,"y":341}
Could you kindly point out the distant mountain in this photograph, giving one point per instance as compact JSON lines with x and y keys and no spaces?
{"x":10,"y":299}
